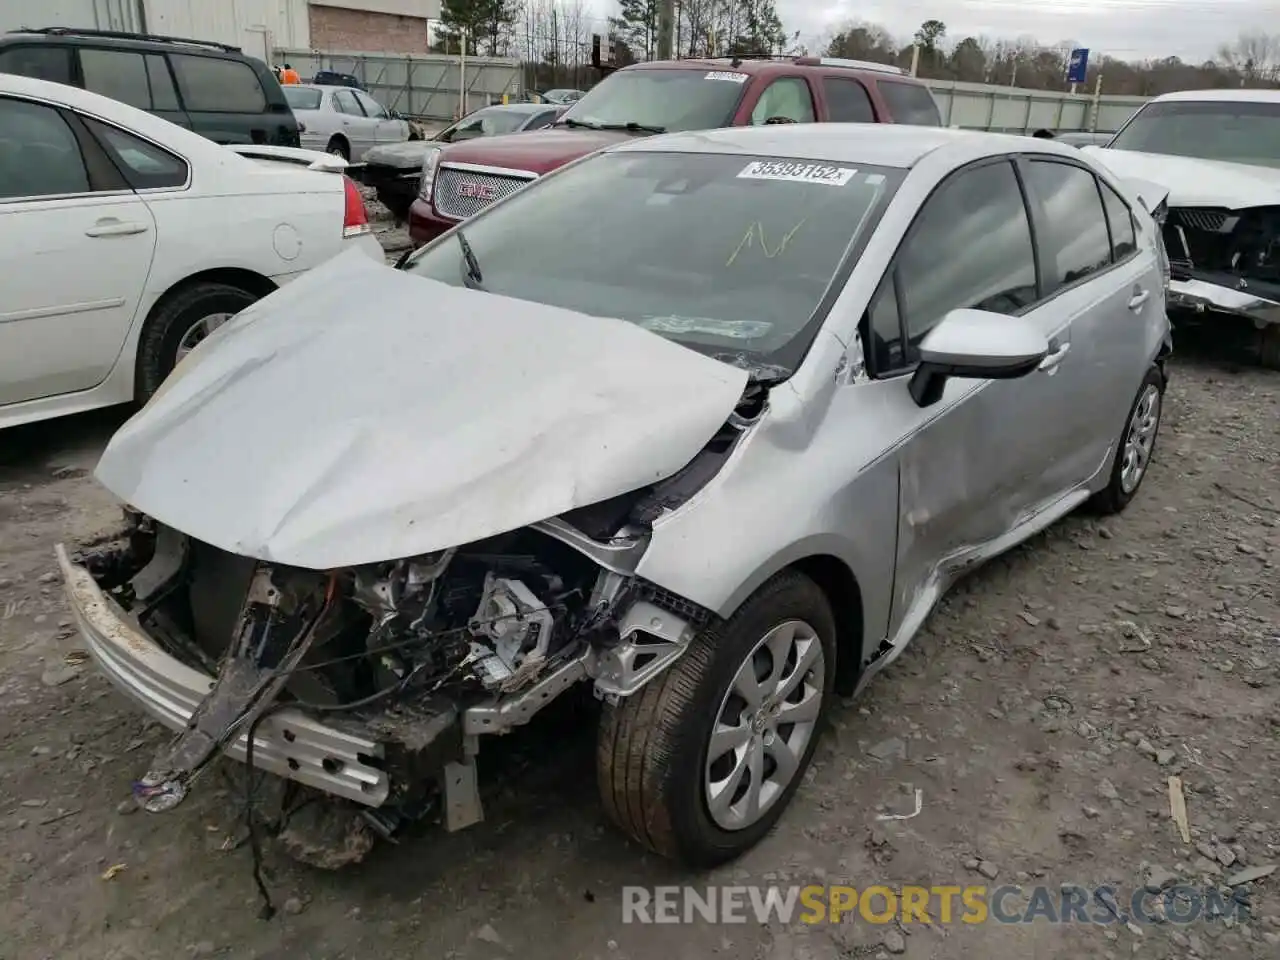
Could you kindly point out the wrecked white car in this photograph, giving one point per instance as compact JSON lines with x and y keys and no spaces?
{"x":1217,"y":152}
{"x":714,"y":453}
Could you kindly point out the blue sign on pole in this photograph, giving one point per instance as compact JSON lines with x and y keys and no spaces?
{"x":1078,"y":66}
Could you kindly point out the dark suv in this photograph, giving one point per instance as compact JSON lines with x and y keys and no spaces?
{"x":211,"y":88}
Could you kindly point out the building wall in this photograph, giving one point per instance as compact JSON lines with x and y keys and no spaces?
{"x":256,"y":26}
{"x":338,"y":28}
{"x":425,"y":9}
{"x":85,"y":14}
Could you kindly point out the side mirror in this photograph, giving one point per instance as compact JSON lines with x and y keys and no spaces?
{"x":975,"y":345}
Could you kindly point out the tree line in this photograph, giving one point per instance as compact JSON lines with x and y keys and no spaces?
{"x":1252,"y":60}
{"x":553,"y":39}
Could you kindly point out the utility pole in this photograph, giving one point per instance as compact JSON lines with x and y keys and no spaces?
{"x":666,"y":27}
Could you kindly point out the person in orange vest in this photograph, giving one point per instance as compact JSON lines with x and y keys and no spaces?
{"x":289,"y":75}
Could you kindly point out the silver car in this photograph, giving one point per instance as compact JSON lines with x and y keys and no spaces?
{"x":716,"y":466}
{"x":343,"y":121}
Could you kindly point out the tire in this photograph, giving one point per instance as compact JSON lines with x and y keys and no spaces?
{"x":397,"y":203}
{"x":339,"y":148}
{"x":173,"y":320}
{"x":1269,"y":346}
{"x":1122,"y":487}
{"x":654,"y":747}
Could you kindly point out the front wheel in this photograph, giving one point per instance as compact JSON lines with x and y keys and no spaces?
{"x":700,"y":764}
{"x":1137,"y":444}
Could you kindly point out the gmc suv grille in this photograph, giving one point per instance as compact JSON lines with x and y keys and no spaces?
{"x":463,"y":193}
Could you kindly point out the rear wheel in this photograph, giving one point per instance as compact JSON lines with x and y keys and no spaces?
{"x":338,"y":147}
{"x":1137,"y":444}
{"x":179,"y":324}
{"x":700,"y":764}
{"x":1269,"y":346}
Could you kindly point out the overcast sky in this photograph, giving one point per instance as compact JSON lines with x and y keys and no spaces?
{"x":1128,"y":29}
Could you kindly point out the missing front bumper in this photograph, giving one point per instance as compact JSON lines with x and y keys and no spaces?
{"x":288,"y":743}
{"x":1201,"y":296}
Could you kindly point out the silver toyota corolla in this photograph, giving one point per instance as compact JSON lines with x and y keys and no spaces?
{"x":714,"y":452}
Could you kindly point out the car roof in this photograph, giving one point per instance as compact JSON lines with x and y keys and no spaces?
{"x":1223,"y":96}
{"x":877,"y":144}
{"x":760,"y":65}
{"x":70,"y":35}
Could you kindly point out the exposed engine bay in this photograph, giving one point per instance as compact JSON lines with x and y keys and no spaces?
{"x":1238,"y":249}
{"x":417,"y":657}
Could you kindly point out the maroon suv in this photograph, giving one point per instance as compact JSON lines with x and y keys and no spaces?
{"x":667,"y":96}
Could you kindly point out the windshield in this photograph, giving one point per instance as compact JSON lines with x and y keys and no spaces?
{"x":485,"y":123}
{"x":667,"y":100}
{"x":300,"y":98}
{"x":728,"y":255}
{"x":1207,"y":130}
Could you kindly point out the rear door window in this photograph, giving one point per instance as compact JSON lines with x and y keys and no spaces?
{"x":38,"y":62}
{"x":910,"y":103}
{"x":215,"y":85}
{"x":1124,"y":240}
{"x":118,"y":74}
{"x":847,"y":101}
{"x":1071,"y":227}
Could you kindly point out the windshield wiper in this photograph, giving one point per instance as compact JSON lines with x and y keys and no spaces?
{"x":473,"y":277}
{"x":586,"y":124}
{"x":632,"y":127}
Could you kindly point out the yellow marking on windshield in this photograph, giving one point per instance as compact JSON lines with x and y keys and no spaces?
{"x":757,"y":230}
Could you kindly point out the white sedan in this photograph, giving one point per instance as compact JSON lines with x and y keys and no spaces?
{"x":124,"y":240}
{"x":342,"y":121}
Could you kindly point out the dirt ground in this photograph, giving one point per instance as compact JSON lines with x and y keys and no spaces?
{"x":1041,"y":714}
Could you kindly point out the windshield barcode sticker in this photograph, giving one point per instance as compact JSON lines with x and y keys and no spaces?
{"x":797,"y":172}
{"x":726,"y":75}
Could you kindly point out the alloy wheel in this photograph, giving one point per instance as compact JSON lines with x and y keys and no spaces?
{"x":764,"y":725}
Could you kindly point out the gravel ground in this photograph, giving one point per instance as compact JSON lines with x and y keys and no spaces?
{"x":1041,"y":714}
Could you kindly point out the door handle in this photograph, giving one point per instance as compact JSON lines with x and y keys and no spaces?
{"x":1051,"y":362}
{"x":1138,"y":299}
{"x":115,"y":228}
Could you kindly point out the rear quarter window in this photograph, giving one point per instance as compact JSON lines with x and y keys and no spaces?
{"x":215,"y":85}
{"x":38,"y":62}
{"x":910,"y":103}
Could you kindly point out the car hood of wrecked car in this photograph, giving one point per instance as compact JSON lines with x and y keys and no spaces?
{"x":363,"y":414}
{"x":1194,"y":182}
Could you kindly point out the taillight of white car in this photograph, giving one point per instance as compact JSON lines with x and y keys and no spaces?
{"x":355,"y":219}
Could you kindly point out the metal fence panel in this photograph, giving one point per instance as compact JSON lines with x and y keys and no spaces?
{"x":418,"y":85}
{"x":981,"y":106}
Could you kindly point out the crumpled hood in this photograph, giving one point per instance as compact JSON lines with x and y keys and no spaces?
{"x":1196,"y":183}
{"x":364,"y":414}
{"x":538,"y":151}
{"x":408,"y":154}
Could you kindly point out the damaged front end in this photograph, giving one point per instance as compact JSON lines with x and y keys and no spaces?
{"x":1225,"y":261}
{"x":369,"y":686}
